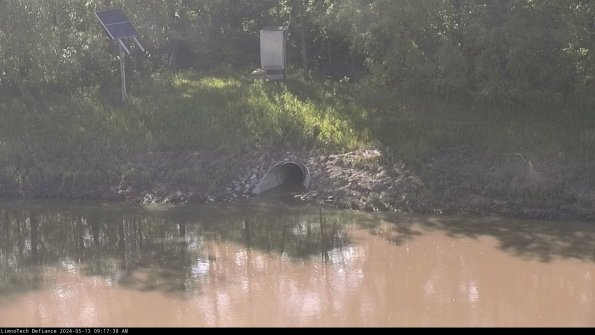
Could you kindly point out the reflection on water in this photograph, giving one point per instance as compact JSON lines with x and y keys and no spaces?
{"x":94,"y":264}
{"x":173,"y":248}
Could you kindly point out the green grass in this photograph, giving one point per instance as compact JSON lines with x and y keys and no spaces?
{"x":413,"y":129}
{"x":234,"y":114}
{"x":64,"y":137}
{"x":84,"y":138}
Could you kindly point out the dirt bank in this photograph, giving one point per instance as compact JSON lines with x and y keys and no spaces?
{"x":455,"y":181}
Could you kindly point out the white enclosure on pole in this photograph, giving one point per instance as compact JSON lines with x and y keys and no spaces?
{"x":273,"y":56}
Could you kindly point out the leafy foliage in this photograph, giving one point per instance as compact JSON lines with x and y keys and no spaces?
{"x":413,"y":75}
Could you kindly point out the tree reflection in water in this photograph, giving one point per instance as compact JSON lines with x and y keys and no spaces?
{"x":150,"y":248}
{"x":262,"y":265}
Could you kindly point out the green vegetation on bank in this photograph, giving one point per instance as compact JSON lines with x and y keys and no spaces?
{"x":231,"y":113}
{"x":84,"y":142}
{"x":186,"y":112}
{"x":413,"y":78}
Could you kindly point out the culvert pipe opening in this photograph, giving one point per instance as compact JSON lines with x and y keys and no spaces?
{"x":285,"y":176}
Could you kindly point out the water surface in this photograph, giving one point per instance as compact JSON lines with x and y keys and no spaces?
{"x":99,"y":264}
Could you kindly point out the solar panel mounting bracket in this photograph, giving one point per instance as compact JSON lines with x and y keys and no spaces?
{"x":118,"y":27}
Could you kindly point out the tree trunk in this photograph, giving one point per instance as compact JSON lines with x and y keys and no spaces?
{"x":304,"y":38}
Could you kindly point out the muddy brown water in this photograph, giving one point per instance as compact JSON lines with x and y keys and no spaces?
{"x":268,"y":264}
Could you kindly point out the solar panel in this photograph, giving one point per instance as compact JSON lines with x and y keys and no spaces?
{"x":111,"y":16}
{"x":118,"y":27}
{"x":116,"y":24}
{"x":122,"y":30}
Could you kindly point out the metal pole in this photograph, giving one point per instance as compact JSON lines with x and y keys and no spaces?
{"x":140,"y":46}
{"x":123,"y":73}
